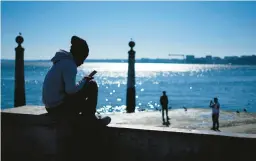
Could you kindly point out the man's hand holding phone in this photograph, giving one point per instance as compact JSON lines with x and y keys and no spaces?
{"x":90,"y":76}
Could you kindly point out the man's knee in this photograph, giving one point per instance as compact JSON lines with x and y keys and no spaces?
{"x":93,"y":85}
{"x":89,"y":87}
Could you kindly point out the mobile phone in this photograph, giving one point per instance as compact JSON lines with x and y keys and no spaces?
{"x":92,"y":73}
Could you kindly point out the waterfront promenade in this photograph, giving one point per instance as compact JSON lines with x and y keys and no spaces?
{"x":195,"y":119}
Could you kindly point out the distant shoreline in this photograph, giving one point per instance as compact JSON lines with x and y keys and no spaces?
{"x":157,"y":61}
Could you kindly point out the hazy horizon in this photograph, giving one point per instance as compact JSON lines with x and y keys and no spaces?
{"x":122,"y":58}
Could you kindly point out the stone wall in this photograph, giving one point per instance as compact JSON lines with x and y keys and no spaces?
{"x":163,"y":146}
{"x":33,"y":137}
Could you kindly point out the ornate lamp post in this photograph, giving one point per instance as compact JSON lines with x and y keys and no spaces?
{"x":130,"y":95}
{"x":19,"y":93}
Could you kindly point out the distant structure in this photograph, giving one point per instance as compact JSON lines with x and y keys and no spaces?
{"x":178,"y":55}
{"x":209,"y":59}
{"x":130,"y":95}
{"x":190,"y":58}
{"x":19,"y":93}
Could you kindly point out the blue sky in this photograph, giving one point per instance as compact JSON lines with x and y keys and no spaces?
{"x":158,"y":28}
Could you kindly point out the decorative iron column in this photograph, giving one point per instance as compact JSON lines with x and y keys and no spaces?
{"x":19,"y":93}
{"x":130,"y":95}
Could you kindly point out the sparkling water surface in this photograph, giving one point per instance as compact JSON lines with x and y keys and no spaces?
{"x":188,"y":85}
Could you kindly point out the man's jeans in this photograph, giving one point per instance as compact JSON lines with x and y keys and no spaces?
{"x":165,"y":109}
{"x":215,"y":121}
{"x":81,"y":104}
{"x":77,"y":124}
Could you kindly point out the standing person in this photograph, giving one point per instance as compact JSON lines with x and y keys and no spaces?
{"x":66,"y":100}
{"x":215,"y":113}
{"x":164,"y":104}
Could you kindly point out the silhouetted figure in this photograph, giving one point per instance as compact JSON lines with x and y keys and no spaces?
{"x":215,"y":113}
{"x":185,"y":108}
{"x":19,"y":93}
{"x":245,"y":110}
{"x":131,"y":90}
{"x":68,"y":101}
{"x":164,"y":104}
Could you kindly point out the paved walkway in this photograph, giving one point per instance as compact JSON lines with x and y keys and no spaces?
{"x":190,"y":120}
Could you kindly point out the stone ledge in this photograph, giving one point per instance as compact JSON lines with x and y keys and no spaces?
{"x":37,"y":116}
{"x":186,"y":131}
{"x":28,"y":110}
{"x":134,"y":139}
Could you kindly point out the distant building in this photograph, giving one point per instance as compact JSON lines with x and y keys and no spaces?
{"x":245,"y":56}
{"x":231,"y":57}
{"x":208,"y":59}
{"x":190,"y":58}
{"x":216,"y":58}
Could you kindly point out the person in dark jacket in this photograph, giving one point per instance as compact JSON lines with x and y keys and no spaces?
{"x":71,"y":104}
{"x":164,"y":104}
{"x":63,"y":96}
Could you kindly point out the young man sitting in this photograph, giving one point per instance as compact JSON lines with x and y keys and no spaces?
{"x":68,"y":101}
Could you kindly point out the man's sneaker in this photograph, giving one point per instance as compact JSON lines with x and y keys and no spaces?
{"x":213,"y":129}
{"x":164,"y":123}
{"x":104,"y":120}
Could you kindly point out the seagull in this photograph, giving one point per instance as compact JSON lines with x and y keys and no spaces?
{"x":245,"y":110}
{"x":185,"y":108}
{"x":237,"y":111}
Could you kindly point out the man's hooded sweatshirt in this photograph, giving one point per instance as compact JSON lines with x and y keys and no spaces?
{"x":60,"y":79}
